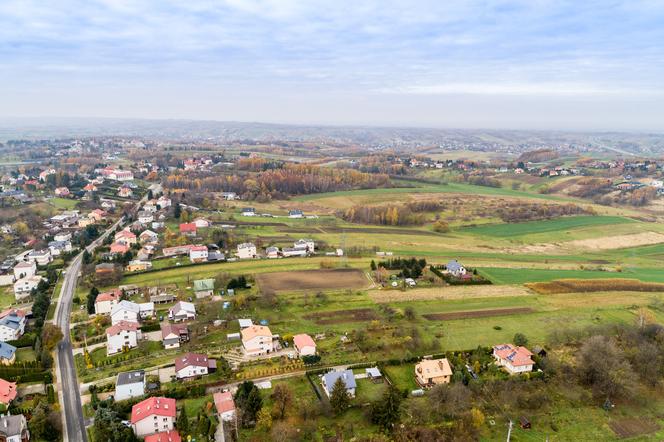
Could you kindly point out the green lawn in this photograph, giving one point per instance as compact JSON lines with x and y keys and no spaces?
{"x":403,"y":376}
{"x":63,"y":203}
{"x":25,"y":354}
{"x":500,"y":275}
{"x":6,"y":296}
{"x":554,"y":225}
{"x":368,"y":391}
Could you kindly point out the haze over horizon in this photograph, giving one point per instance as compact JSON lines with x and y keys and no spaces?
{"x":463,"y":64}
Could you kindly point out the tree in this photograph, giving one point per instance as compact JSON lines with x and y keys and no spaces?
{"x":42,"y":425}
{"x":339,"y":397}
{"x":477,"y":417}
{"x":387,"y":411}
{"x":109,"y":427}
{"x":248,"y":400}
{"x":177,"y":211}
{"x":451,"y":400}
{"x":282,"y":397}
{"x":50,"y":336}
{"x":520,"y":340}
{"x":373,"y":265}
{"x":602,"y":366}
{"x":264,"y":419}
{"x":441,"y":227}
{"x":182,"y":423}
{"x":203,"y":426}
{"x":92,"y":297}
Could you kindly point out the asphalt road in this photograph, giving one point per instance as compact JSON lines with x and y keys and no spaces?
{"x":72,"y":412}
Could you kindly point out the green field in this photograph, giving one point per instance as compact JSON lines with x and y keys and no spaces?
{"x":522,"y":276}
{"x":547,"y":226}
{"x":63,"y":203}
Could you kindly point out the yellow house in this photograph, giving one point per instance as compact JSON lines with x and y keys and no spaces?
{"x":137,"y":266}
{"x":430,"y":372}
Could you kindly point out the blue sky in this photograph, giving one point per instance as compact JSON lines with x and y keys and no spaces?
{"x":489,"y":64}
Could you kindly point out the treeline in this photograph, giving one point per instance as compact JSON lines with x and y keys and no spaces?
{"x":393,"y":214}
{"x":480,"y":180}
{"x":291,"y":179}
{"x":535,"y":212}
{"x":409,"y":267}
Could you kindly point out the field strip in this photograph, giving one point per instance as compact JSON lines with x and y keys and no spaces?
{"x":595,"y":244}
{"x":471,"y":314}
{"x":449,"y":293}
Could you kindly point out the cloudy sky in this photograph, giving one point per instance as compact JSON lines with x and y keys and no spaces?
{"x":473,"y":64}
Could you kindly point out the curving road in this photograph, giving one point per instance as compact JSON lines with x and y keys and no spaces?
{"x":72,"y":413}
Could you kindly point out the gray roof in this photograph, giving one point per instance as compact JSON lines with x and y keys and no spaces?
{"x":346,"y":376}
{"x":454,"y":266}
{"x":6,"y":350}
{"x":12,"y":321}
{"x":12,"y":425}
{"x":130,"y":377}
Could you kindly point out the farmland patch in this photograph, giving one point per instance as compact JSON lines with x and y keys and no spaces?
{"x":313,"y":280}
{"x":341,"y":316}
{"x":633,"y":426}
{"x":477,"y":314}
{"x":594,"y":285}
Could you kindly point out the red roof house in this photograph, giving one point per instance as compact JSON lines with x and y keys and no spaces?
{"x":7,"y":391}
{"x":188,"y":228}
{"x":164,"y":436}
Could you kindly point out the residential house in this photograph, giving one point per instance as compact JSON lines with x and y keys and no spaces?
{"x":272,"y":252}
{"x":148,"y":237}
{"x":85,"y":222}
{"x":229,"y":196}
{"x":153,"y":415}
{"x":430,"y":372}
{"x":295,"y":214}
{"x":7,"y":353}
{"x":58,"y":247}
{"x":61,"y":192}
{"x":125,"y":311}
{"x":191,"y":365}
{"x":188,"y":229}
{"x":7,"y":392}
{"x":122,"y":335}
{"x":346,"y":376}
{"x":164,"y":202}
{"x":248,"y":211}
{"x":145,"y":217}
{"x":12,"y":324}
{"x":106,"y":301}
{"x":24,"y":286}
{"x":306,"y":244}
{"x":304,"y":345}
{"x":118,"y":248}
{"x":125,"y":236}
{"x":225,"y":405}
{"x":182,"y":311}
{"x":125,"y":192}
{"x":25,"y":268}
{"x":202,"y":223}
{"x":203,"y":288}
{"x":41,"y":257}
{"x":138,"y":265}
{"x":62,"y":236}
{"x":90,"y":187}
{"x":246,"y":250}
{"x":514,"y":359}
{"x":257,"y":340}
{"x":14,"y":428}
{"x":176,"y":250}
{"x":455,"y":268}
{"x":146,"y":310}
{"x":164,"y":436}
{"x":129,"y":384}
{"x":172,"y":335}
{"x":198,"y":254}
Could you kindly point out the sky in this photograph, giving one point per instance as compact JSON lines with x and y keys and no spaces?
{"x":532,"y":64}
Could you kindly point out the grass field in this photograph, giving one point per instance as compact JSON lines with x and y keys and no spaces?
{"x":548,"y":226}
{"x":63,"y":203}
{"x":521,"y":276}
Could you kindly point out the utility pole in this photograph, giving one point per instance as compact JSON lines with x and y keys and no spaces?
{"x":509,"y":431}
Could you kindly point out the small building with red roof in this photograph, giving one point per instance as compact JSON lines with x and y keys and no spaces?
{"x":153,"y":415}
{"x":118,"y":248}
{"x":188,"y":229}
{"x":304,"y":345}
{"x":225,"y":405}
{"x":164,"y":436}
{"x":514,"y":359}
{"x":7,"y":392}
{"x":106,"y":301}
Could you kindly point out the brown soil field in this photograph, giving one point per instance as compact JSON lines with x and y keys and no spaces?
{"x":633,"y":426}
{"x":450,"y":293}
{"x":341,"y":316}
{"x":312,"y":280}
{"x":595,"y":244}
{"x":594,"y":285}
{"x":477,"y":313}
